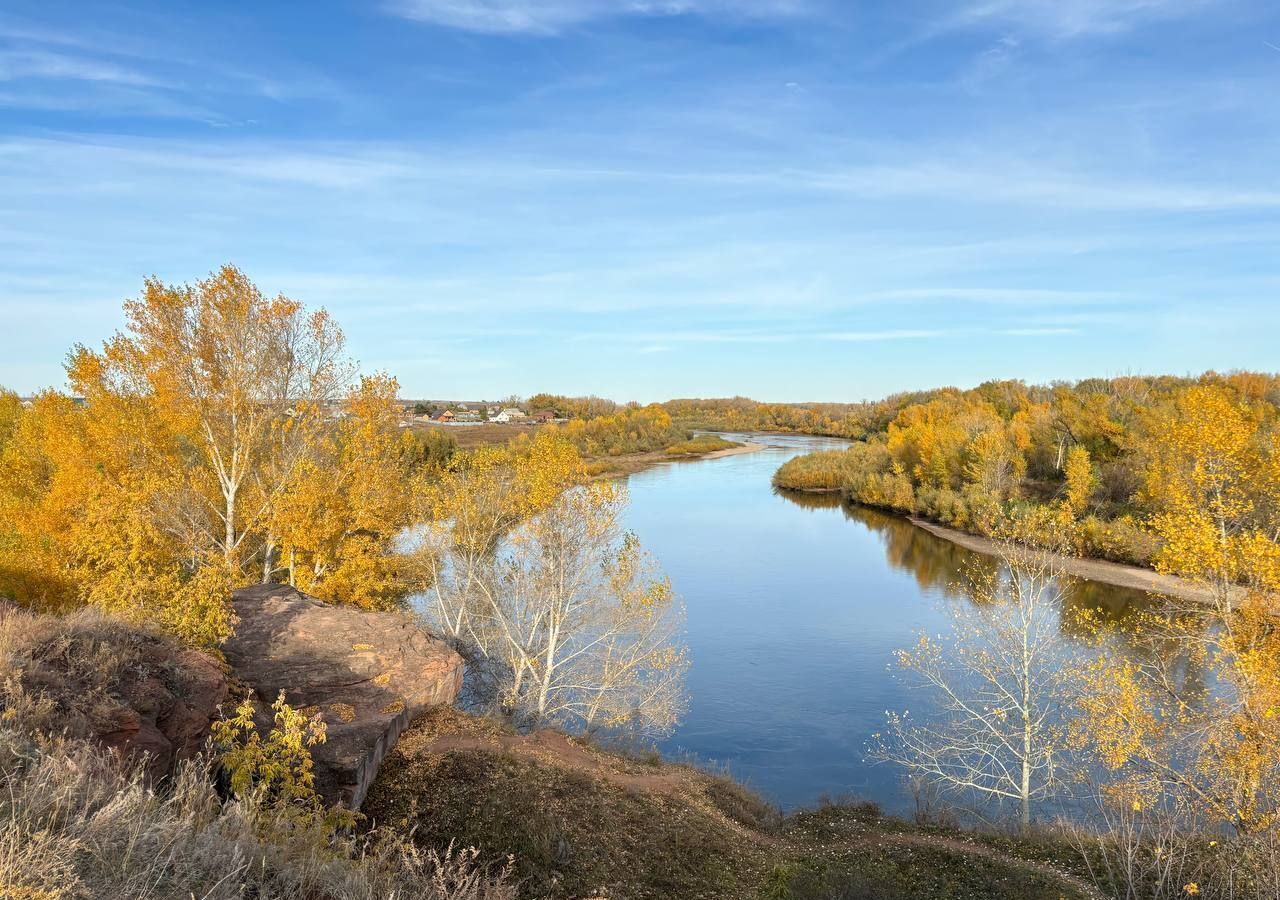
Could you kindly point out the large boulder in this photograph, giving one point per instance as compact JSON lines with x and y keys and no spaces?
{"x":369,"y":674}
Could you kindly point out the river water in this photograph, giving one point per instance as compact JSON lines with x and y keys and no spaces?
{"x":795,"y":607}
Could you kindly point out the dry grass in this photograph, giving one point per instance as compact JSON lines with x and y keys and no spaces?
{"x":701,"y":445}
{"x":76,"y":823}
{"x":630,"y":828}
{"x":67,"y":674}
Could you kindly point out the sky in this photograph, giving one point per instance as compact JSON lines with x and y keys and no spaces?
{"x":644,"y":199}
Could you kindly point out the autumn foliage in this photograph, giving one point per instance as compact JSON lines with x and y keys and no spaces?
{"x":976,"y":459}
{"x":218,"y":441}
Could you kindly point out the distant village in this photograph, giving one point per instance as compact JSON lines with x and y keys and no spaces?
{"x":424,"y":412}
{"x":433,"y":412}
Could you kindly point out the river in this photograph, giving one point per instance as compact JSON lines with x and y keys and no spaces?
{"x":795,"y":607}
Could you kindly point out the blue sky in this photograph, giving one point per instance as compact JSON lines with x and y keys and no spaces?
{"x":790,"y":199}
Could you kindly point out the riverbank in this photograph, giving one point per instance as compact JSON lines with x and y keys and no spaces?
{"x":631,"y":463}
{"x":1100,"y":570}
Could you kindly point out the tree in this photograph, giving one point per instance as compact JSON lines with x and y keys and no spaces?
{"x":1081,"y":481}
{"x":586,"y":623}
{"x":242,"y":381}
{"x":1197,"y":714}
{"x":340,"y":520}
{"x":530,"y":573}
{"x":473,"y":506}
{"x":999,"y":735}
{"x":209,"y":439}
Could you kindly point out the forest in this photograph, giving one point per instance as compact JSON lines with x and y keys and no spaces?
{"x":1097,"y":452}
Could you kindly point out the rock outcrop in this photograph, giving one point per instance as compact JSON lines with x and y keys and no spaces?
{"x":167,"y":717}
{"x":129,"y":687}
{"x":368,"y":674}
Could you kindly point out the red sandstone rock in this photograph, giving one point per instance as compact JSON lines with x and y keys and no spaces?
{"x":369,"y":674}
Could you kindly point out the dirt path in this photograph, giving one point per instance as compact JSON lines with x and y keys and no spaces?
{"x":1092,"y":569}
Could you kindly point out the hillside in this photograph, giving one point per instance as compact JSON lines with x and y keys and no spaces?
{"x":581,"y":821}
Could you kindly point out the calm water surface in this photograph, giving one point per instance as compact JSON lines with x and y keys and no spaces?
{"x":795,"y":606}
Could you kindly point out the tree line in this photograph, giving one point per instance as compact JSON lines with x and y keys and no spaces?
{"x":1098,"y":452}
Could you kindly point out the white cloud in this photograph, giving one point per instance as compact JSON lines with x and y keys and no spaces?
{"x":62,"y":67}
{"x":1066,"y":19}
{"x":864,"y":337}
{"x":1038,"y":332}
{"x":553,"y":16}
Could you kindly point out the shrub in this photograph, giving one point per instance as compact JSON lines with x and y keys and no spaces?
{"x":834,"y":470}
{"x":1121,"y":540}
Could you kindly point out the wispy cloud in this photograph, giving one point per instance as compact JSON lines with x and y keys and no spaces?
{"x":863,"y":337}
{"x":44,"y":65}
{"x":1067,"y":19}
{"x":1037,"y":332}
{"x":553,"y":16}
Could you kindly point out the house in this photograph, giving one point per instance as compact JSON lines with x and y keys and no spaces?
{"x":543,"y":416}
{"x":507,"y":415}
{"x":446,"y":416}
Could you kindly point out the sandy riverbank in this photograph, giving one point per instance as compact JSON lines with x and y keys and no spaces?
{"x":1100,"y":570}
{"x":748,"y":447}
{"x":630,"y":464}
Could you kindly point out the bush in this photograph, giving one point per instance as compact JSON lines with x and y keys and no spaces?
{"x":834,"y":470}
{"x":1121,"y":540}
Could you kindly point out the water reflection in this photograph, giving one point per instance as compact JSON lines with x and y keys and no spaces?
{"x":796,"y":604}
{"x":939,"y":565}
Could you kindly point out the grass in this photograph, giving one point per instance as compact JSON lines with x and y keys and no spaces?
{"x":572,"y":832}
{"x":701,"y":445}
{"x":578,"y":830}
{"x":75,"y":823}
{"x":825,"y":470}
{"x":69,"y":674}
{"x":78,"y":822}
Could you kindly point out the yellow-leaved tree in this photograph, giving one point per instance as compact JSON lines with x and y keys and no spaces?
{"x":338,"y":524}
{"x":566,"y":619}
{"x":1081,"y":481}
{"x":241,"y":382}
{"x":1196,"y":717}
{"x":211,"y":437}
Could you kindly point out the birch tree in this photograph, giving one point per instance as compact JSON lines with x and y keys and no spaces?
{"x":240,"y":379}
{"x":590,"y":628}
{"x":472,"y":508}
{"x":1211,"y":742}
{"x":532,"y":574}
{"x":998,"y":733}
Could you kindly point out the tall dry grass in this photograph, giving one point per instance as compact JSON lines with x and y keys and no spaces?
{"x":75,"y":822}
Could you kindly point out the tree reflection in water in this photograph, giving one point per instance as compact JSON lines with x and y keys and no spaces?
{"x":939,"y":566}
